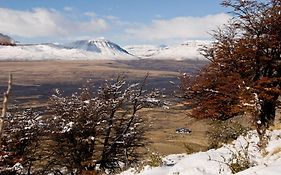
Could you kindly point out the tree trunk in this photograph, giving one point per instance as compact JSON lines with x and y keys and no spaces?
{"x":5,"y":105}
{"x":266,"y":117}
{"x":267,"y":114}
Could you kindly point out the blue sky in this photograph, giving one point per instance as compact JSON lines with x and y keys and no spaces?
{"x":122,"y":21}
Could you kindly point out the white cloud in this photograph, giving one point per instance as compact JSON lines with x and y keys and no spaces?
{"x":178,"y":28}
{"x":91,"y":14}
{"x":68,"y":9}
{"x":41,"y":22}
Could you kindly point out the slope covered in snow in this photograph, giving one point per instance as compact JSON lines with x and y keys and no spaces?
{"x":101,"y":46}
{"x":41,"y":52}
{"x":101,"y":49}
{"x":215,"y":162}
{"x":80,"y":50}
{"x":186,"y":50}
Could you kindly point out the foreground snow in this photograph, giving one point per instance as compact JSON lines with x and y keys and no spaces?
{"x":215,"y":162}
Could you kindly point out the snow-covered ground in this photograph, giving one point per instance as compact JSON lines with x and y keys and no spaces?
{"x":215,"y":162}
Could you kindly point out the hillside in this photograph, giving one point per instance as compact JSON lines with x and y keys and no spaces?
{"x":6,"y":40}
{"x":243,"y":151}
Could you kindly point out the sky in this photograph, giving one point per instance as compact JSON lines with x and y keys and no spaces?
{"x":125,"y":22}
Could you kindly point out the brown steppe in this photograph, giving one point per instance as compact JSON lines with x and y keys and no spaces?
{"x":38,"y":72}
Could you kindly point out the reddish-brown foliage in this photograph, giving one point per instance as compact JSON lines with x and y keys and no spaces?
{"x":245,"y":69}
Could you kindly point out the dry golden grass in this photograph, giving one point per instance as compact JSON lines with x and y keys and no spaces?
{"x":39,"y":72}
{"x":276,"y":150}
{"x":162,"y":131}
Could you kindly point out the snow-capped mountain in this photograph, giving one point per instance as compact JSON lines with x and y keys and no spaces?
{"x":101,"y":46}
{"x":186,"y":50}
{"x":79,"y":50}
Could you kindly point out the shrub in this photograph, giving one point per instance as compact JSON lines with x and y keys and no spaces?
{"x":19,"y":142}
{"x":153,"y":159}
{"x":222,"y":132}
{"x":239,"y":159}
{"x":98,"y":130}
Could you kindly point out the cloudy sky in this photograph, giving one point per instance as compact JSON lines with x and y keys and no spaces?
{"x":122,"y":21}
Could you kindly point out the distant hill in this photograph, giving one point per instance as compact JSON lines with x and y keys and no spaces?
{"x":6,"y":40}
{"x":101,"y":46}
{"x":186,"y":50}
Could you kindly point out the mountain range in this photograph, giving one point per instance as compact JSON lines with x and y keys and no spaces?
{"x":98,"y":49}
{"x":183,"y":51}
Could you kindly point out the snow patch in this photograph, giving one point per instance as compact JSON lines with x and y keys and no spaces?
{"x":214,"y":161}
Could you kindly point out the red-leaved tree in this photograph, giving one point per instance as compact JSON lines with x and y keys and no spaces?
{"x":244,"y":74}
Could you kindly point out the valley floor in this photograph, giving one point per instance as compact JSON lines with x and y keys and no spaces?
{"x":35,"y":81}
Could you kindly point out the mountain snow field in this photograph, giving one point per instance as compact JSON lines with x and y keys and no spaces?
{"x":101,"y":49}
{"x":217,"y":161}
{"x":80,"y":50}
{"x":183,"y":51}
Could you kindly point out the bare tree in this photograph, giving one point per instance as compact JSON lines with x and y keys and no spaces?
{"x":5,"y":105}
{"x":101,"y":130}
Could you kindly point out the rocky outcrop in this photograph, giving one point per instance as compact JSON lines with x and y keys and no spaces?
{"x":6,"y":40}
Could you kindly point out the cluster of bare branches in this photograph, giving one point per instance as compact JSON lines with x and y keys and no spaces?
{"x":93,"y":130}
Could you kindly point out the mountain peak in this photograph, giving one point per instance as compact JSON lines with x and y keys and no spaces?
{"x":99,"y":45}
{"x":100,"y":39}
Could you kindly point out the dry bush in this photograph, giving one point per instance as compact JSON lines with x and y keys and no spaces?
{"x":88,"y":132}
{"x":239,"y":159}
{"x":20,"y":142}
{"x":222,"y":132}
{"x":153,"y":159}
{"x":98,"y":130}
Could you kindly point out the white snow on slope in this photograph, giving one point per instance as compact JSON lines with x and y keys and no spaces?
{"x":101,"y":46}
{"x":101,"y":49}
{"x":80,"y":50}
{"x":186,"y":50}
{"x":213,"y":162}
